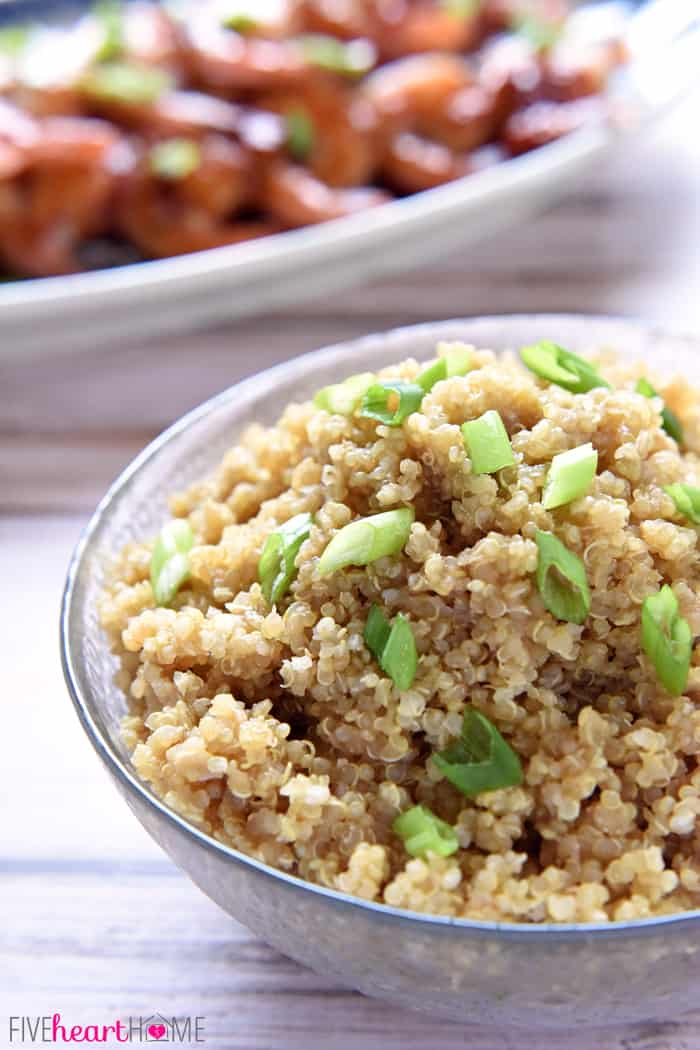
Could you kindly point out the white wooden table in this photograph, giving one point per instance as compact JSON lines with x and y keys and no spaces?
{"x":97,"y":923}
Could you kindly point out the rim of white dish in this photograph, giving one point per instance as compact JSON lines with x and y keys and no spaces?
{"x":302,"y":366}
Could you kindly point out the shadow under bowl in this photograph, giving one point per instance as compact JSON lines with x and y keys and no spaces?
{"x":473,"y":972}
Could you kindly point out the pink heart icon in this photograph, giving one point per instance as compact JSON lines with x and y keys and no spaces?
{"x":156,"y":1031}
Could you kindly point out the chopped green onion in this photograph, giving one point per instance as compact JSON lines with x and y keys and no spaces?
{"x":123,"y":82}
{"x":240,"y":21}
{"x":393,"y":646}
{"x":486,"y":441}
{"x":367,"y":539}
{"x":351,"y":58}
{"x":569,"y":476}
{"x":343,"y":398}
{"x":462,"y":8}
{"x":560,"y":366}
{"x":667,"y":639}
{"x":540,"y":33}
{"x":687,"y":500}
{"x":431,"y":375}
{"x":480,"y":760}
{"x":13,"y":39}
{"x":391,"y":401}
{"x":377,"y":631}
{"x":109,"y":14}
{"x":300,"y":133}
{"x":561,"y":579}
{"x":456,"y":361}
{"x":174,"y":159}
{"x":169,"y":562}
{"x":669,"y":420}
{"x":276,"y":568}
{"x":458,"y":358}
{"x":422,"y":832}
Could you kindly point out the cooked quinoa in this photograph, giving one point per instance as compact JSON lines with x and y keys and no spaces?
{"x":275,"y":730}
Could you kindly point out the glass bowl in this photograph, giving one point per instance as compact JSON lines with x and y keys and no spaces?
{"x":474,"y":972}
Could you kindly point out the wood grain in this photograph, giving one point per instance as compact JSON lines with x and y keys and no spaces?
{"x":97,"y":922}
{"x":102,"y":943}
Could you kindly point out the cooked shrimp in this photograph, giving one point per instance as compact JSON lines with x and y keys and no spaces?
{"x":568,"y":73}
{"x":425,"y":25}
{"x":344,"y":149}
{"x":157,"y":211}
{"x":163,"y":224}
{"x":345,"y":19}
{"x":285,"y":127}
{"x":418,"y":86}
{"x":73,"y":140}
{"x":444,"y":114}
{"x":295,"y":197}
{"x":12,"y":160}
{"x":221,"y":58}
{"x":500,"y":15}
{"x":190,"y":113}
{"x":63,"y":196}
{"x":437,"y":97}
{"x":69,"y":178}
{"x":76,"y":195}
{"x":37,"y":250}
{"x":17,"y":128}
{"x":150,"y":35}
{"x":413,"y":164}
{"x":544,"y":122}
{"x":223,"y":180}
{"x":511,"y":74}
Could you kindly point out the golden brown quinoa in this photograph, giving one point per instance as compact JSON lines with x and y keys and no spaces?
{"x":275,"y":732}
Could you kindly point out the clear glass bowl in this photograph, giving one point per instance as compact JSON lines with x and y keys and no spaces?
{"x":475,"y":972}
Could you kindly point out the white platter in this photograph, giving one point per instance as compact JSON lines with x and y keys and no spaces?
{"x":100,"y":309}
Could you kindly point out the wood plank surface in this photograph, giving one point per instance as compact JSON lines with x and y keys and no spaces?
{"x":97,"y":923}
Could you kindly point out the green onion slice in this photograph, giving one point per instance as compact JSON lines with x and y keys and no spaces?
{"x":561,"y":579}
{"x":343,"y":398}
{"x":540,"y":33}
{"x":13,"y":39}
{"x":276,"y":567}
{"x":300,"y":133}
{"x":174,"y":159}
{"x":669,"y":420}
{"x":393,"y":646}
{"x":480,"y":760}
{"x":169,"y":562}
{"x":431,"y":375}
{"x":124,"y":82}
{"x":462,"y":8}
{"x":422,"y":832}
{"x":351,"y":58}
{"x":109,"y":15}
{"x":455,"y":361}
{"x":687,"y":500}
{"x":391,"y":401}
{"x":240,"y":23}
{"x":367,"y":539}
{"x":240,"y":18}
{"x":560,"y":366}
{"x":486,"y":441}
{"x":569,"y":476}
{"x":667,"y":639}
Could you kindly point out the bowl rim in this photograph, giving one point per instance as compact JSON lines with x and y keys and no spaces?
{"x":140,"y":791}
